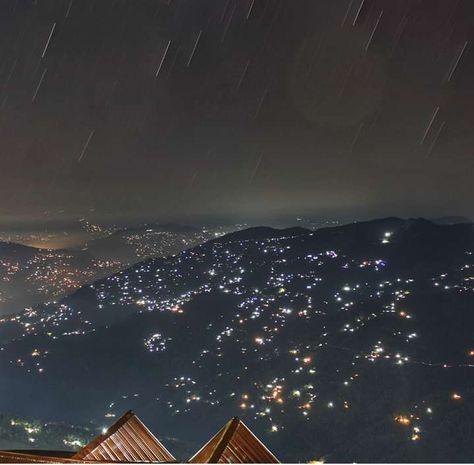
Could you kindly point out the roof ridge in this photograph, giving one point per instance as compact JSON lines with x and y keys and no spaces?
{"x":102,"y":437}
{"x":227,"y":435}
{"x":134,"y":443}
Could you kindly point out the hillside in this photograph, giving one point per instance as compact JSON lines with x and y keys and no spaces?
{"x":30,"y":276}
{"x":352,"y":343}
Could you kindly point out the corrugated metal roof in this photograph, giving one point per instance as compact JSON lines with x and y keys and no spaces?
{"x":128,"y":440}
{"x":234,"y":443}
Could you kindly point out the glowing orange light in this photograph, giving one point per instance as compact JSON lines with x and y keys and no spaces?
{"x":456,"y":396}
{"x":402,"y":420}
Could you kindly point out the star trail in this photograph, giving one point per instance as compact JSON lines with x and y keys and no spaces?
{"x":236,"y":108}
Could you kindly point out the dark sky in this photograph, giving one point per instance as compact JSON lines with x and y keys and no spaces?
{"x":245,"y":108}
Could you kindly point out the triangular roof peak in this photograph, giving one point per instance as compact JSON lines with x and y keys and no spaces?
{"x":127,"y":440}
{"x":234,"y":443}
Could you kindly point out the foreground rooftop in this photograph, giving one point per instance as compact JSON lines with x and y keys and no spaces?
{"x":128,"y":440}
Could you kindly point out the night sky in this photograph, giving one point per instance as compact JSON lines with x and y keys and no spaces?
{"x":237,"y":108}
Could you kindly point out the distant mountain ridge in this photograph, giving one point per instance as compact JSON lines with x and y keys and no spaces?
{"x":262,"y":232}
{"x":8,"y":248}
{"x":451,"y":220}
